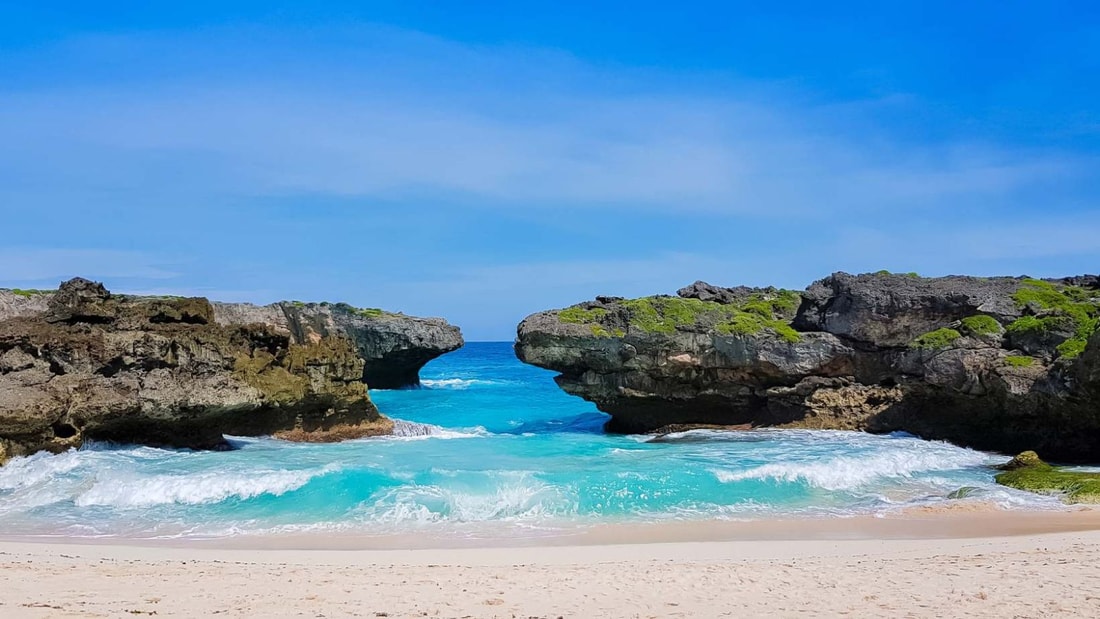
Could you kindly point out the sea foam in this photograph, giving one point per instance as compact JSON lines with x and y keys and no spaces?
{"x":852,"y":471}
{"x":457,"y":383}
{"x":118,"y":489}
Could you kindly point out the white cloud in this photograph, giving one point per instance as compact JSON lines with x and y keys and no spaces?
{"x":39,"y":264}
{"x":518,"y":128}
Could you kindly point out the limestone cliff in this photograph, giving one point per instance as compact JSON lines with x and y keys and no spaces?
{"x":81,"y":363}
{"x":999,"y":363}
{"x":393,"y":346}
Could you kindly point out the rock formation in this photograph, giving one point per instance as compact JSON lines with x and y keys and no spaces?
{"x":393,"y":346}
{"x":81,"y":363}
{"x":1002,"y":363}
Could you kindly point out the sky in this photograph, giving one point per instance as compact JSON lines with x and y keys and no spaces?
{"x":482,"y":161}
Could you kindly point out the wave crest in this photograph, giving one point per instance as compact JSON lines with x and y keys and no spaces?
{"x":455,"y":383}
{"x":119,"y":490}
{"x":412,"y":430}
{"x":849,"y":472}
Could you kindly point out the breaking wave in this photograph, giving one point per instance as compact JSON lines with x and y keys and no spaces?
{"x":126,"y":490}
{"x":412,"y":430}
{"x":514,"y":497}
{"x":853,"y":471}
{"x":456,"y":383}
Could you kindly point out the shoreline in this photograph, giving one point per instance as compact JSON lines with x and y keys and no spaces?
{"x":999,"y":574}
{"x":960,"y":522}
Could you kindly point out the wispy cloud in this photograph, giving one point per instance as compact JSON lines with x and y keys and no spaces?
{"x":41,"y":264}
{"x":433,"y":119}
{"x":386,"y":167}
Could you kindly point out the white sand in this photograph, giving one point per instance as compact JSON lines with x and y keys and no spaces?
{"x":1029,"y":575}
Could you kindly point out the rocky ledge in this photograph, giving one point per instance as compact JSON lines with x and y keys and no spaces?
{"x":1005,"y":364}
{"x":393,"y":346}
{"x":81,"y":363}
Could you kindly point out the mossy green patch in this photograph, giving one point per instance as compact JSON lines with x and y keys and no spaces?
{"x":600,"y":331}
{"x":1067,"y":307}
{"x":748,"y":323}
{"x":28,"y":292}
{"x":940,"y":338}
{"x":783,"y":303}
{"x":580,"y":316}
{"x":365,"y":312}
{"x":760,"y":311}
{"x":1039,"y":477}
{"x":1071,"y":347}
{"x":1019,"y":361}
{"x":664,"y":314}
{"x":981,"y":325}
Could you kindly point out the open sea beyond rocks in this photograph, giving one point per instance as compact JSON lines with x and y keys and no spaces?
{"x":488,"y":447}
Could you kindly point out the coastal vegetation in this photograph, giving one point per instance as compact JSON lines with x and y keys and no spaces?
{"x":665,"y":315}
{"x":365,"y":312}
{"x":951,"y":358}
{"x":579,"y":315}
{"x":886,"y":272}
{"x":981,"y":325}
{"x":1057,"y":308}
{"x":1028,"y":472}
{"x":27,"y":292}
{"x":933,"y":340}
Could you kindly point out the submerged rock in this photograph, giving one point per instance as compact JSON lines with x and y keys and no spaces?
{"x":81,"y":363}
{"x":1000,"y":363}
{"x":1028,"y":472}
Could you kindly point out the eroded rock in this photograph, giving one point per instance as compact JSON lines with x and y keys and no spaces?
{"x":393,"y":346}
{"x":943,"y":358}
{"x":87,"y":364}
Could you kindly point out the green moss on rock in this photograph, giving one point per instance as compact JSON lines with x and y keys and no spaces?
{"x":759,"y":312}
{"x":579,"y":316}
{"x":1069,"y":308}
{"x":1027,"y":472}
{"x":940,"y":338}
{"x":28,"y":292}
{"x":1019,"y":361}
{"x":365,"y":312}
{"x":981,"y":325}
{"x":664,"y":314}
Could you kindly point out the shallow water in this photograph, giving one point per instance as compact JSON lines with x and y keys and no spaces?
{"x":491,"y":447}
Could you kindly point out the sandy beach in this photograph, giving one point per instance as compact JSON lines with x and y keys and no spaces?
{"x":916,"y":565}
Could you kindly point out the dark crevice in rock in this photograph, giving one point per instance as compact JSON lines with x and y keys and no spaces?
{"x":63,"y":430}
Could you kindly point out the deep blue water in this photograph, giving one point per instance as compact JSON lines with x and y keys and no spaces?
{"x":506,"y":452}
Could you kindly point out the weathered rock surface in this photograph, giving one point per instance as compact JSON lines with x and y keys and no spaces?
{"x":393,"y":346}
{"x":81,"y":363}
{"x":1005,"y":364}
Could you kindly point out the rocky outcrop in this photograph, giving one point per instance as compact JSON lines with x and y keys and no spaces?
{"x":82,"y":363}
{"x":393,"y":346}
{"x":1000,"y":363}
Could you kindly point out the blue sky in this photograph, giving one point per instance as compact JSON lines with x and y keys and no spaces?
{"x":482,"y":161}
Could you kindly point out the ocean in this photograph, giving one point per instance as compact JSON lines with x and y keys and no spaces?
{"x":489,"y":447}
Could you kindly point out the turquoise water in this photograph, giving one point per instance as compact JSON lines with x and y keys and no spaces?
{"x":493,"y":448}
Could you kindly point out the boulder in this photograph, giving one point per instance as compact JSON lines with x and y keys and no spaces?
{"x":394,"y":347}
{"x":81,"y":363}
{"x":943,"y":358}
